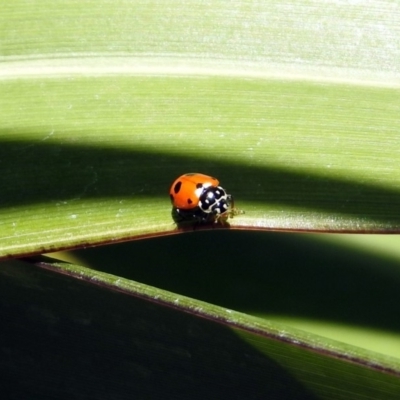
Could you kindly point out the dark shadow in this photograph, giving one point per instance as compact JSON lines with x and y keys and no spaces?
{"x":105,"y":172}
{"x":263,"y":273}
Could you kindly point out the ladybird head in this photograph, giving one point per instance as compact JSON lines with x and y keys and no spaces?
{"x":215,"y":200}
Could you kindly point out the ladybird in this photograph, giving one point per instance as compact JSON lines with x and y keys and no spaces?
{"x":198,"y":198}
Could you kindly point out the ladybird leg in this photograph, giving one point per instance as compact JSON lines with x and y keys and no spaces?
{"x":230,"y":200}
{"x":232,"y":210}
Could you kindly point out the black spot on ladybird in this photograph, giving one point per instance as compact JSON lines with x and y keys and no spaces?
{"x":177,"y":187}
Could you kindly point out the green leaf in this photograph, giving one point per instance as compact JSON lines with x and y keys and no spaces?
{"x":141,"y":343}
{"x":292,"y":106}
{"x":105,"y":104}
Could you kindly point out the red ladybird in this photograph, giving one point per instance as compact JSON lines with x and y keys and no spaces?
{"x":199,"y":198}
